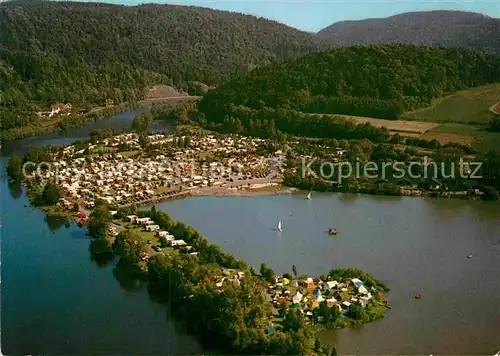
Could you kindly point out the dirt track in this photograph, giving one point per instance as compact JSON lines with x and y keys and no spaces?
{"x":496,"y":108}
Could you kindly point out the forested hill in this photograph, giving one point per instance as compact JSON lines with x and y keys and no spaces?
{"x":430,"y":28}
{"x":378,"y":81}
{"x":86,"y":52}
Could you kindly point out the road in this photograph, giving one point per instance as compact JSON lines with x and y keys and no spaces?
{"x":169,"y":98}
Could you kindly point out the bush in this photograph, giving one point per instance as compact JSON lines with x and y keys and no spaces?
{"x":51,"y":194}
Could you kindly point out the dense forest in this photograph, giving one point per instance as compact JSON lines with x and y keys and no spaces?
{"x":84,"y":53}
{"x":379,"y":81}
{"x":429,"y":28}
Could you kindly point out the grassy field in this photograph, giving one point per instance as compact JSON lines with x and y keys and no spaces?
{"x":475,"y":136}
{"x":467,"y":106}
{"x":404,"y":128}
{"x":128,"y":154}
{"x":145,"y":235}
{"x":460,"y":118}
{"x":446,"y":133}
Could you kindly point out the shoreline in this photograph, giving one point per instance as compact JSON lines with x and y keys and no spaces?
{"x":246,"y":192}
{"x":93,"y":115}
{"x":343,"y":297}
{"x":275,"y":189}
{"x":139,"y":270}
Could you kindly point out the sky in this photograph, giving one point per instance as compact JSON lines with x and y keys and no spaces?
{"x":313,"y":15}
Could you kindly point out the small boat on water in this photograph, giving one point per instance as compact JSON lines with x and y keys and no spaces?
{"x":332,"y":231}
{"x":308,"y":196}
{"x":279,"y":228}
{"x":469,"y":255}
{"x":419,"y":296}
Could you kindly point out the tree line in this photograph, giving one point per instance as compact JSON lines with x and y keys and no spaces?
{"x":85,"y":53}
{"x":281,"y":123}
{"x":428,"y":28}
{"x":375,"y":80}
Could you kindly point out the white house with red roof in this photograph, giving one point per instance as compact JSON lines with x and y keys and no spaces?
{"x":58,"y":107}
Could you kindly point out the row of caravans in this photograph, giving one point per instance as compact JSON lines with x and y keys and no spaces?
{"x":150,"y":226}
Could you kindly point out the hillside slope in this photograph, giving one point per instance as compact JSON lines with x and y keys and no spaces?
{"x":378,"y":81}
{"x":85,"y":52}
{"x":430,"y":28}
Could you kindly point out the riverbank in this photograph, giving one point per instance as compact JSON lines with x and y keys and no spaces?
{"x":242,"y":191}
{"x":65,"y":123}
{"x":436,"y":189}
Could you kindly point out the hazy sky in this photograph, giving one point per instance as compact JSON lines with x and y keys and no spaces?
{"x":313,"y":15}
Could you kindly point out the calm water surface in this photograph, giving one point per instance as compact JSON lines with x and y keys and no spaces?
{"x":54,"y":299}
{"x":415,"y":245}
{"x":122,"y":121}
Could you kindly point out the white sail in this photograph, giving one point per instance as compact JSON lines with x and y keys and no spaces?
{"x":279,"y":226}
{"x":309,"y":196}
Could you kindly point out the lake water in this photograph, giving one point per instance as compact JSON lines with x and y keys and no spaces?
{"x":55,"y":300}
{"x":122,"y":121}
{"x":415,"y":245}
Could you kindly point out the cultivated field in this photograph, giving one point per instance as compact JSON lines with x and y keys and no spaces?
{"x":468,"y":106}
{"x":475,"y":136}
{"x":402,"y":127}
{"x":460,"y":118}
{"x":446,"y":133}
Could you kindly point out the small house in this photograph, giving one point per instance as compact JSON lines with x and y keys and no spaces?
{"x":358,"y":283}
{"x":178,"y":243}
{"x":331,"y":302}
{"x":152,"y":228}
{"x":346,"y":305}
{"x":162,"y":233}
{"x":141,"y":221}
{"x":332,"y":284}
{"x":308,"y":284}
{"x":297,"y":297}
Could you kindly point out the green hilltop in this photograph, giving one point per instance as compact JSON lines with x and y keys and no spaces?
{"x":84,"y":53}
{"x":380,"y":81}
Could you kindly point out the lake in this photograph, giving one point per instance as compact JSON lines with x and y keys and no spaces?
{"x":56,"y":300}
{"x":415,"y":245}
{"x":119,"y":122}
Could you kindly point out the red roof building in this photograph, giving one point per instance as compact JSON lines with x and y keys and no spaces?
{"x":58,"y":106}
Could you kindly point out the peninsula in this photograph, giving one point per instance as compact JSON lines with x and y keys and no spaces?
{"x":100,"y":183}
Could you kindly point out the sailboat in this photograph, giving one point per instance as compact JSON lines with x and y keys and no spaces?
{"x":308,"y":196}
{"x":279,"y":226}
